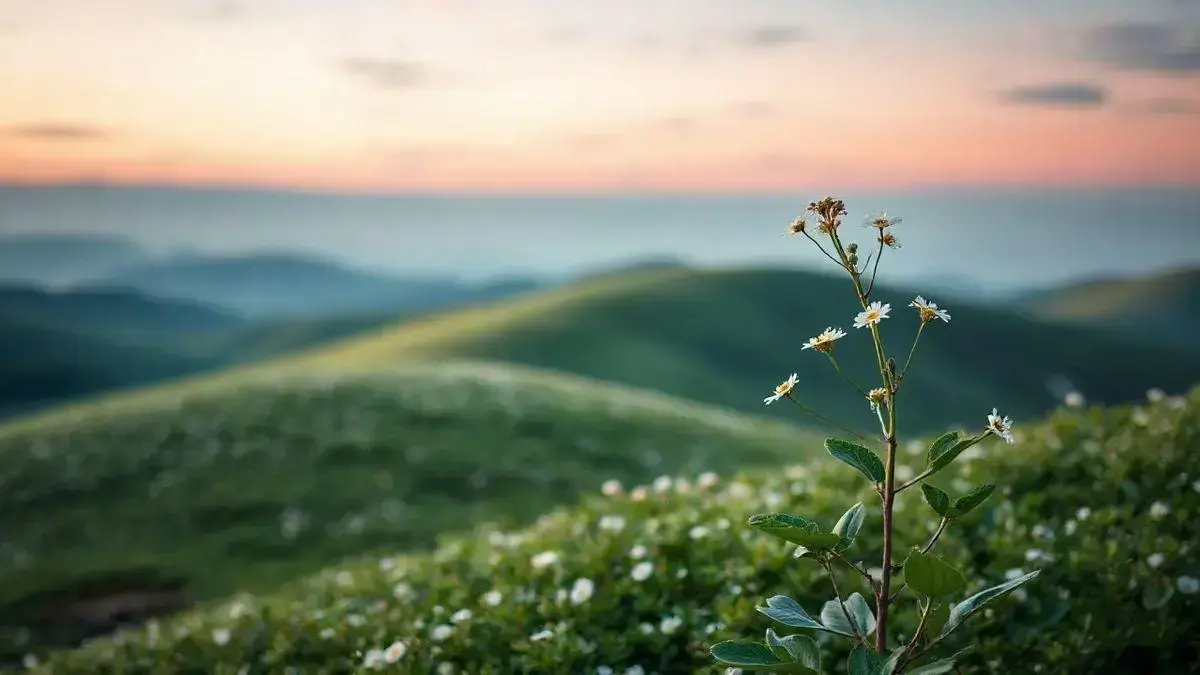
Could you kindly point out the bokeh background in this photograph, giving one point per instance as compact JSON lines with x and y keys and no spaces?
{"x":239,"y":233}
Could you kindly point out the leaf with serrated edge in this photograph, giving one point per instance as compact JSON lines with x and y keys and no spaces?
{"x":968,"y":502}
{"x":963,"y":610}
{"x":859,"y":611}
{"x":849,"y":524}
{"x":867,"y":462}
{"x":929,"y":575}
{"x":794,"y":529}
{"x":940,"y":446}
{"x":937,"y":499}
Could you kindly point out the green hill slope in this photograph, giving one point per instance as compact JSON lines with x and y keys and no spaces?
{"x":1159,"y":308}
{"x":1101,"y":501}
{"x":722,"y":336}
{"x":114,"y":513}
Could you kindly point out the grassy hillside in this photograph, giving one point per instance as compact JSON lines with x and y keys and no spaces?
{"x":1101,"y":501}
{"x":116,"y":512}
{"x":1158,"y":308}
{"x":726,"y":336}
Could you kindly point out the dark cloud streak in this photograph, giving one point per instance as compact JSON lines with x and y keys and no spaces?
{"x":1058,"y":95}
{"x":1150,"y":47}
{"x":61,"y":132}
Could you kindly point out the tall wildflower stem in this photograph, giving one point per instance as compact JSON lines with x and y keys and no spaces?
{"x":913,"y":350}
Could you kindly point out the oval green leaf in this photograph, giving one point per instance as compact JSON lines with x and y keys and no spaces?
{"x":863,"y":661}
{"x":794,"y":529}
{"x":963,"y":610}
{"x":931,"y":576}
{"x":849,"y":524}
{"x":789,"y":613}
{"x":968,"y":502}
{"x":860,"y":614}
{"x":756,"y":656}
{"x":938,"y":500}
{"x":867,"y":462}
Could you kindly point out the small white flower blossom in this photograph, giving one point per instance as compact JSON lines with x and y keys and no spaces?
{"x":638,"y":494}
{"x":395,"y":652}
{"x":783,"y":389}
{"x":707,"y":479}
{"x":1001,"y":426}
{"x":876,"y":397}
{"x":441,"y":632}
{"x":1083,"y":513}
{"x":881,"y":220}
{"x":1034,"y":554}
{"x":1013,"y":573}
{"x":611,"y":488}
{"x":698,"y":532}
{"x":874,"y":313}
{"x":374,"y":658}
{"x":445,"y":668}
{"x":582,"y":591}
{"x":635,"y":670}
{"x":662,"y":484}
{"x":638,"y":551}
{"x":1074,"y":399}
{"x":1155,"y":560}
{"x":682,"y":486}
{"x":670,"y":624}
{"x":220,"y":636}
{"x":1155,"y":395}
{"x":1159,"y":510}
{"x":645,"y":628}
{"x":1196,"y":486}
{"x":642,"y":570}
{"x":825,"y":340}
{"x":544,"y":559}
{"x":1070,"y":527}
{"x":461,"y":616}
{"x":604,"y":670}
{"x":929,"y":310}
{"x":493,"y":598}
{"x":542,"y":635}
{"x":1188,"y":585}
{"x":327,"y":633}
{"x":612,"y":523}
{"x":402,"y":591}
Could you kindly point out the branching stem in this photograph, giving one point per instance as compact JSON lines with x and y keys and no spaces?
{"x":845,"y":612}
{"x":824,"y":419}
{"x":936,"y":535}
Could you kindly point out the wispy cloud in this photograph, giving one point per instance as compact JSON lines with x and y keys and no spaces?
{"x":1144,"y":46}
{"x":1058,"y":95}
{"x":1167,"y":106}
{"x":386,"y":73}
{"x":770,"y":37}
{"x":61,"y":132}
{"x":752,"y":109}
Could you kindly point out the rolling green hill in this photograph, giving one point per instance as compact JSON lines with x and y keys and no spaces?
{"x":1101,"y":501}
{"x":114,"y":512}
{"x":1159,"y":308}
{"x":727,"y":337}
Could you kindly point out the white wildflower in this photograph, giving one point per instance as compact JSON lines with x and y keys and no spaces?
{"x":707,"y":479}
{"x":403,"y":591}
{"x":638,"y":494}
{"x":874,"y":313}
{"x":638,"y":551}
{"x":1155,"y":395}
{"x":698,"y":532}
{"x":876,"y":397}
{"x":445,"y":668}
{"x":395,"y":652}
{"x":670,"y":624}
{"x":1070,"y":527}
{"x":582,"y":591}
{"x":1159,"y":510}
{"x":642,"y":570}
{"x":1074,"y":399}
{"x":612,"y":523}
{"x":1013,"y":573}
{"x":1196,"y":486}
{"x":611,"y":488}
{"x":825,"y":341}
{"x":441,"y":632}
{"x":1155,"y":560}
{"x":374,"y":658}
{"x":783,"y":389}
{"x":682,"y":486}
{"x":220,"y":636}
{"x":544,"y":559}
{"x":1083,"y":513}
{"x":1001,"y":426}
{"x":542,"y":635}
{"x":1187,"y":585}
{"x":493,"y":598}
{"x":604,"y":670}
{"x":635,"y":670}
{"x":1139,"y":417}
{"x":646,"y":628}
{"x":327,"y":633}
{"x":929,"y":310}
{"x":662,"y":484}
{"x":461,"y":616}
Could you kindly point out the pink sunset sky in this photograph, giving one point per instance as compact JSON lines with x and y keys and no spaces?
{"x":568,"y":95}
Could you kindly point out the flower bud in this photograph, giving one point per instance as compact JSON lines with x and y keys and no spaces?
{"x":852,"y":248}
{"x":853,"y":260}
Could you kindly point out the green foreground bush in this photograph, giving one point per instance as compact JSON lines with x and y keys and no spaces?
{"x":644,"y":581}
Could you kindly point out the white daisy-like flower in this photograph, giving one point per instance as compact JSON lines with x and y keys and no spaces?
{"x":663,"y":484}
{"x":1160,"y":510}
{"x":1188,"y":585}
{"x":825,"y":341}
{"x":645,"y":629}
{"x":638,"y":551}
{"x":783,"y":389}
{"x":1083,"y":513}
{"x":642,"y":571}
{"x":582,"y":591}
{"x":670,"y":624}
{"x":461,"y":616}
{"x":544,"y":559}
{"x":1074,"y":399}
{"x":875,"y":312}
{"x":611,"y":488}
{"x":1001,"y":426}
{"x":707,"y":479}
{"x":403,"y":591}
{"x":327,"y":633}
{"x":639,"y":493}
{"x":220,"y":636}
{"x":542,"y":635}
{"x":441,"y":632}
{"x":881,"y":220}
{"x":1155,"y":560}
{"x":395,"y":652}
{"x":493,"y":598}
{"x":1155,"y":395}
{"x":929,"y":310}
{"x":374,"y":658}
{"x":698,"y":532}
{"x":612,"y":523}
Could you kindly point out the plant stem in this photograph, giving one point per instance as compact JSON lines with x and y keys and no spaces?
{"x":845,"y":612}
{"x":912,"y":351}
{"x":889,"y":498}
{"x":844,"y":376}
{"x":940,"y":530}
{"x":835,"y":262}
{"x":856,"y":568}
{"x":824,"y":419}
{"x":875,"y":272}
{"x":908,"y":648}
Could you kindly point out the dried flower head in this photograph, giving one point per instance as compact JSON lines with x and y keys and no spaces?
{"x":830,"y":211}
{"x":824,"y":342}
{"x":876,"y":397}
{"x":929,"y":310}
{"x":783,"y":389}
{"x":797,"y":226}
{"x":888,"y":239}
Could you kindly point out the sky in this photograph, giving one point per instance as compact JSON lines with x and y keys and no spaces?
{"x":538,"y":96}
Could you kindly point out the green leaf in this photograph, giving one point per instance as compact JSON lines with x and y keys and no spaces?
{"x":938,"y":500}
{"x":945,"y":449}
{"x":963,"y":610}
{"x":755,"y":655}
{"x":860,"y":613}
{"x":794,"y":529}
{"x":867,"y":462}
{"x":935,"y":668}
{"x":940,"y":446}
{"x":967,"y":503}
{"x":863,"y":661}
{"x":776,"y":646}
{"x":929,"y":575}
{"x":797,"y":648}
{"x":1157,"y":594}
{"x":849,"y":524}
{"x":937,"y":619}
{"x":789,"y":613}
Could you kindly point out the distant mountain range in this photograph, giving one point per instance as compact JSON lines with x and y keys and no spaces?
{"x":54,"y":260}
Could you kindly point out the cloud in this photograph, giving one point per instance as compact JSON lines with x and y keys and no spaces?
{"x":753,"y":109}
{"x":676,"y":125}
{"x":770,"y":37}
{"x":1058,"y":94}
{"x":1168,"y":106}
{"x":61,"y":132}
{"x":1144,"y":46}
{"x":386,"y":73}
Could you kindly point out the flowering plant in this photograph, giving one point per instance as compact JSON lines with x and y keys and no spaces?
{"x":930,"y":578}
